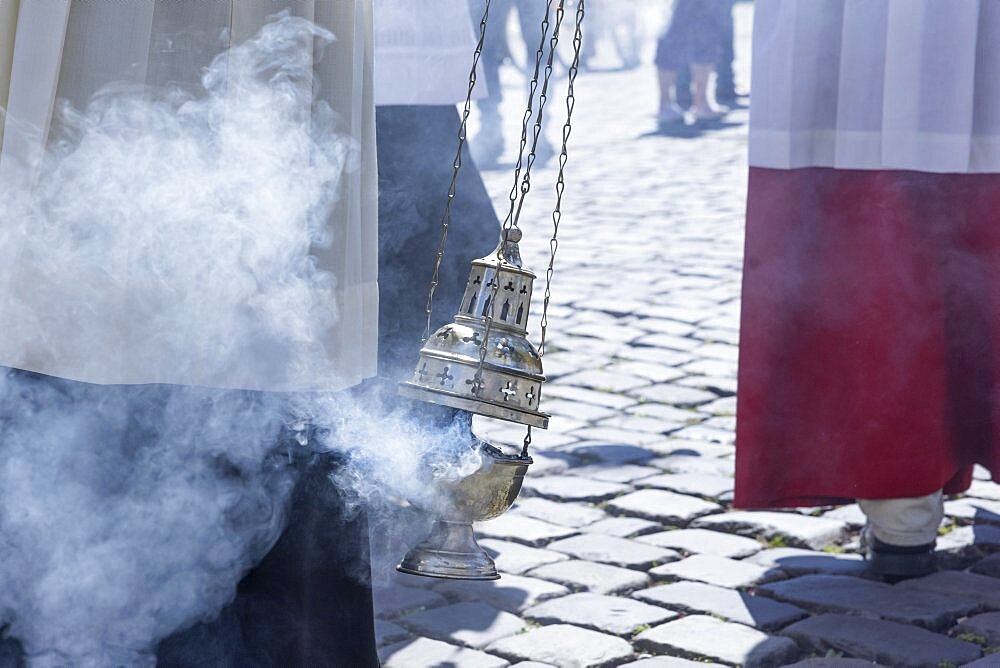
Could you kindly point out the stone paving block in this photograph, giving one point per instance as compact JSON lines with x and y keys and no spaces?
{"x":674,"y":395}
{"x":980,"y":472}
{"x":981,"y":489}
{"x":796,"y":561}
{"x":667,"y":413}
{"x":735,"y":606}
{"x":657,"y":373}
{"x":838,"y":593}
{"x":516,"y":558}
{"x":615,"y":551}
{"x":387,"y":633}
{"x":532,"y":664}
{"x":554,"y":644}
{"x":669,"y":313}
{"x":472,"y":624}
{"x":669,"y":662}
{"x":616,"y":435}
{"x":717,"y":385}
{"x":980,"y":588}
{"x":851,"y":514}
{"x":662,"y":506}
{"x":590,"y":576}
{"x":883,"y":641}
{"x":708,"y":486}
{"x":664,"y":326}
{"x":706,"y":432}
{"x":511,"y":593}
{"x":572,"y":488}
{"x":608,"y":614}
{"x":564,"y":514}
{"x":703,"y":541}
{"x":581,"y":411}
{"x":551,"y":462}
{"x":989,"y":661}
{"x":622,"y":527}
{"x":604,"y":381}
{"x":716,"y":570}
{"x":979,"y":536}
{"x":424,"y":652}
{"x":526,"y":530}
{"x":986,"y":625}
{"x":973,"y":510}
{"x":655,"y":355}
{"x":989,"y":566}
{"x":647,"y":425}
{"x":677,"y":447}
{"x":707,"y":364}
{"x":797,"y":530}
{"x":611,"y":453}
{"x":697,"y":464}
{"x":606,"y":331}
{"x":703,"y":636}
{"x":621,"y":473}
{"x":396,"y":600}
{"x":582,"y":395}
{"x":723,"y":406}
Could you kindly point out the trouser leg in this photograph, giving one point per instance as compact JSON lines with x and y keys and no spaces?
{"x":905,"y":522}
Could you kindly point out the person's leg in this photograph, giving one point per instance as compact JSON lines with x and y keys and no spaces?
{"x":701,"y":104}
{"x":725,"y":78}
{"x":901,"y":534}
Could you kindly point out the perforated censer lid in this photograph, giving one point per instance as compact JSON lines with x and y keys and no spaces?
{"x":510,"y":384}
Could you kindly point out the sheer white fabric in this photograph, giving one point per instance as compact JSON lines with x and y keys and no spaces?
{"x":56,"y":50}
{"x":876,"y":84}
{"x":422,"y":55}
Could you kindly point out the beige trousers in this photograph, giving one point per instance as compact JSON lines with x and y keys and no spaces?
{"x":910,"y":521}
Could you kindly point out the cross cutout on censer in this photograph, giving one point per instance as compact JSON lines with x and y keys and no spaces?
{"x":446,"y":378}
{"x":509,"y":391}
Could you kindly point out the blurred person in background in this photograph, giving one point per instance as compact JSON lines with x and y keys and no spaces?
{"x":870,"y":337}
{"x":726,"y":93}
{"x":694,"y":39}
{"x":488,"y":144}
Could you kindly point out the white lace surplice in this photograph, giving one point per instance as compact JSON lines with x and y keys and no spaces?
{"x":53,"y":50}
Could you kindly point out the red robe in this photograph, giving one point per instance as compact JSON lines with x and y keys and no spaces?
{"x":870,"y":342}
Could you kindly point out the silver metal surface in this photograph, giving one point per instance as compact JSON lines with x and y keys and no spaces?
{"x":450,"y":550}
{"x":487,"y":368}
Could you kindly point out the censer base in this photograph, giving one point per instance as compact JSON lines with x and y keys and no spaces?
{"x":450,"y":552}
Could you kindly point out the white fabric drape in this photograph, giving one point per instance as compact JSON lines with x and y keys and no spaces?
{"x":422,"y":55}
{"x":876,"y":84}
{"x":57,"y":50}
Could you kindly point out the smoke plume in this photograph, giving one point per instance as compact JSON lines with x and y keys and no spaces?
{"x":128,"y":512}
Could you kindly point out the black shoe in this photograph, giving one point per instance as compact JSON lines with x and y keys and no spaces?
{"x":895,"y":563}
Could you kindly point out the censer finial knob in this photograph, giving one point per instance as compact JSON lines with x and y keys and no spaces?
{"x":482,"y":362}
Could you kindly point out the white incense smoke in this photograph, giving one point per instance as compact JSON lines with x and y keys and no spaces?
{"x":127,"y":513}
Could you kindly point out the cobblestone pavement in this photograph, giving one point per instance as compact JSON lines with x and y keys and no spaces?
{"x":623,"y":548}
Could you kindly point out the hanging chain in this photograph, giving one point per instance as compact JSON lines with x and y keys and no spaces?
{"x":522,"y":183}
{"x":456,"y":166}
{"x":560,"y":180}
{"x":560,"y":187}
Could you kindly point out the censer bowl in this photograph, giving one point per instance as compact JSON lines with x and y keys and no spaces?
{"x":450,"y":550}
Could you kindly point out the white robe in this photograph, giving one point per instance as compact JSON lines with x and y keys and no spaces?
{"x":876,"y":84}
{"x":52,"y":50}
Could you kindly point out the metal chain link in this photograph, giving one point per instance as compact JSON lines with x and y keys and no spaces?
{"x":560,"y":187}
{"x":561,"y":180}
{"x":456,"y":166}
{"x":522,"y":182}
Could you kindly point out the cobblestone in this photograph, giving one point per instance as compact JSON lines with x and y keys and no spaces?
{"x":814,"y":532}
{"x":735,"y":606}
{"x":886,"y":642}
{"x":981,"y":588}
{"x":796,"y":561}
{"x":669,"y":662}
{"x":717,"y":570}
{"x":703,"y":541}
{"x":512,"y":593}
{"x":527,"y":530}
{"x":615,"y":551}
{"x":555,"y":644}
{"x":424,"y":652}
{"x":473,"y":624}
{"x":702,"y":636}
{"x":986,"y":626}
{"x":589,"y":576}
{"x":835,"y":593}
{"x":609,"y":614}
{"x":622,"y":527}
{"x":662,"y":506}
{"x":707,"y":486}
{"x":572,"y":488}
{"x":516,"y":558}
{"x":564,"y":514}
